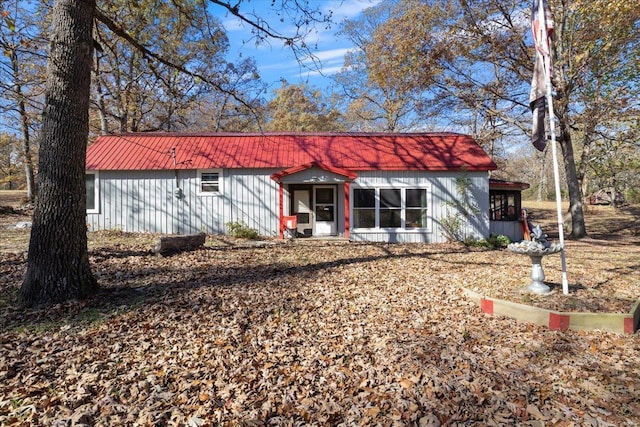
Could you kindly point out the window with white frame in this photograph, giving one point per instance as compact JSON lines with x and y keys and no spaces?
{"x":364,"y":208}
{"x":396,"y":208}
{"x":390,"y":208}
{"x":416,"y":213}
{"x":91,"y":188}
{"x":209,"y":182}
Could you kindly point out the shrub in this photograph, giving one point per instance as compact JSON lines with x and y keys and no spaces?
{"x":498,"y":241}
{"x":242,"y":230}
{"x":493,"y":242}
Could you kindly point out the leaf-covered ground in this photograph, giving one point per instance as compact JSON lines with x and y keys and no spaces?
{"x":313,"y":333}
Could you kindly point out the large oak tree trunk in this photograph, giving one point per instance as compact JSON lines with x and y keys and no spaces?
{"x":58,"y":262}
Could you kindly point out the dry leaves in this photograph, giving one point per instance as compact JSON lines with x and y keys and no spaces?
{"x":315,"y":333}
{"x":306,"y":333}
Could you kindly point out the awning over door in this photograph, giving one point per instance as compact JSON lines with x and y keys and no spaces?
{"x":313,"y":173}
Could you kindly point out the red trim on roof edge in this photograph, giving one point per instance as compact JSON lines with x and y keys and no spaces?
{"x":291,"y":171}
{"x":495,"y":184}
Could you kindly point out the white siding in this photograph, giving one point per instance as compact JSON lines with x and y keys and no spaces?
{"x":443,"y":198}
{"x":145,"y":201}
{"x":511,"y":229}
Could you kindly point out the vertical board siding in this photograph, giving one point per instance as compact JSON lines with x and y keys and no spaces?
{"x":145,"y":201}
{"x":253,"y":200}
{"x":511,"y":229}
{"x":443,"y":198}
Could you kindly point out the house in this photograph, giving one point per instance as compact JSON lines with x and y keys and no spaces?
{"x":362,"y":186}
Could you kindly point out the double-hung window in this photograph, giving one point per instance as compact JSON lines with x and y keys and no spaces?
{"x":416,"y":208}
{"x":391,"y":208}
{"x":210,"y":182}
{"x":364,"y":208}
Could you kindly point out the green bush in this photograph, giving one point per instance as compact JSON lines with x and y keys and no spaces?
{"x":498,"y":241}
{"x":242,"y":230}
{"x":493,"y":242}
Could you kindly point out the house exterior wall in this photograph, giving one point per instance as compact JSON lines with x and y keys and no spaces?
{"x":442,"y":200}
{"x":511,"y":229}
{"x":146,"y":201}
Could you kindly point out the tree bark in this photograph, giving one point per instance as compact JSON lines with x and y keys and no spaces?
{"x":26,"y":140}
{"x":578,"y":228}
{"x":173,"y":244}
{"x":58,"y":262}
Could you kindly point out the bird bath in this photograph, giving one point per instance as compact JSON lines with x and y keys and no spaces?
{"x":536,"y":249}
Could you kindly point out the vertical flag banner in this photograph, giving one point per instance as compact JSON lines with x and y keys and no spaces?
{"x":542,"y":28}
{"x":541,"y":97}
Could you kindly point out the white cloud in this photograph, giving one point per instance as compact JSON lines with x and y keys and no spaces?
{"x":348,"y":8}
{"x":276,"y":61}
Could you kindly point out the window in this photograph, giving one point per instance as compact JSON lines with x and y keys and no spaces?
{"x":391,"y":208}
{"x":91,"y":188}
{"x":324,"y":204}
{"x":364,"y":208}
{"x":416,"y":208}
{"x":210,"y":183}
{"x":504,"y":205}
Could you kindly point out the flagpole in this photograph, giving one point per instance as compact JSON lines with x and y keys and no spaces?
{"x":552,"y":130}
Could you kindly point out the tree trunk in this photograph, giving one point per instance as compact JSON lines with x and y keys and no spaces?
{"x":174,"y":244}
{"x":27,"y":159}
{"x":578,"y":228}
{"x":58,"y":262}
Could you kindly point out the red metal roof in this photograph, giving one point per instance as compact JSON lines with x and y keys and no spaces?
{"x":348,"y":151}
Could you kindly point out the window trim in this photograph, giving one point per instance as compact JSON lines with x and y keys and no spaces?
{"x":220,"y":182}
{"x":403,"y":209}
{"x":504,"y":194}
{"x":96,"y":192}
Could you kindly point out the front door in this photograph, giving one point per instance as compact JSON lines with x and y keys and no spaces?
{"x":302,"y":210}
{"x":325,"y":211}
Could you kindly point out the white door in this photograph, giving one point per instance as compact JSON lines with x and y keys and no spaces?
{"x":302,"y":209}
{"x":325,"y":211}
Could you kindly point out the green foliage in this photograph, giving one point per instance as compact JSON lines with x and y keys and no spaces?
{"x":633,"y":196}
{"x":464,"y":207}
{"x":242,"y":230}
{"x":452,"y":227}
{"x":494,"y":241}
{"x":498,"y":241}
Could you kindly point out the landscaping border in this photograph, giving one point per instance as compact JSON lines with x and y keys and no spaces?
{"x":622,"y":323}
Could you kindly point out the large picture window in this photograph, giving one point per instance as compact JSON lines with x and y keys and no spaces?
{"x":209,"y":182}
{"x":390,"y":208}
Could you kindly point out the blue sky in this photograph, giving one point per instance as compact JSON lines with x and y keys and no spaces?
{"x":275,"y":61}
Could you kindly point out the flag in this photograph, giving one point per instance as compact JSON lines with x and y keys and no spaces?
{"x":542,"y":28}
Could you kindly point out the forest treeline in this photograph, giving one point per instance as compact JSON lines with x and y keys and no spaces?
{"x":462,"y":66}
